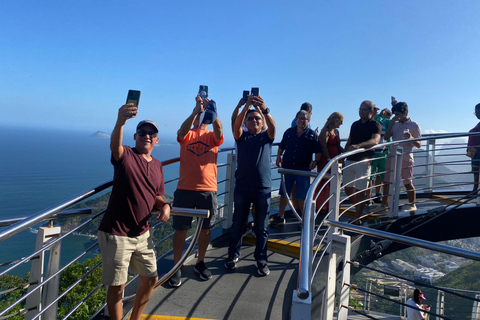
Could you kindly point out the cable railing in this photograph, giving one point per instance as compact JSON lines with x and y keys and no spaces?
{"x":431,"y":175}
{"x":317,"y":243}
{"x":40,"y":297}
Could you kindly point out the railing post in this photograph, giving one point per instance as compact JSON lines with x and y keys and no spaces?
{"x":342,"y":242}
{"x":43,"y":296}
{"x":476,"y":308}
{"x":338,"y":246}
{"x":430,"y":163}
{"x":229,"y":190}
{"x":368,"y":289}
{"x":440,"y":304}
{"x":403,"y":309}
{"x":335,"y":185}
{"x":394,"y":199}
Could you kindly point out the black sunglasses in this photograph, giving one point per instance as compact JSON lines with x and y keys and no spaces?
{"x":143,"y":133}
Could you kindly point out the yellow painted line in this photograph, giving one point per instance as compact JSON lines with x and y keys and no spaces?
{"x":156,"y":317}
{"x":443,"y":199}
{"x":291,"y":249}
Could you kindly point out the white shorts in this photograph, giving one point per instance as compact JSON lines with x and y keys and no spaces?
{"x":358,"y":172}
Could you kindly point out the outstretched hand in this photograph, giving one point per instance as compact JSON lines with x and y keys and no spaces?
{"x":200,"y":104}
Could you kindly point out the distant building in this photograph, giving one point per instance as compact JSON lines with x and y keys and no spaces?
{"x":426,"y":261}
{"x":402,"y":265}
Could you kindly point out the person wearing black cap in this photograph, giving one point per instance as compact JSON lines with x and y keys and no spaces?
{"x":415,"y":306}
{"x":124,"y":233}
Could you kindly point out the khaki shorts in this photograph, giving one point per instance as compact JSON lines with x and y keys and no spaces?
{"x":119,"y":253}
{"x":358,"y":171}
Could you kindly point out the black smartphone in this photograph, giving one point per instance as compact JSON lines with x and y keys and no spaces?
{"x":393,"y":99}
{"x":246,"y":93}
{"x":203,"y":91}
{"x":133,"y":97}
{"x":255,"y":92}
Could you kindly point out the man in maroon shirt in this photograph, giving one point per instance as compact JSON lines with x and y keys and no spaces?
{"x":124,"y":236}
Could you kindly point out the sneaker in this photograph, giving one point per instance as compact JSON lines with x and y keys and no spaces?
{"x":369,"y":203}
{"x":409,"y":207}
{"x":176,"y":280}
{"x":202,"y":271}
{"x":231,"y":264}
{"x":378,"y":198}
{"x":277,"y":221}
{"x":262,"y":269}
{"x":382,"y":209}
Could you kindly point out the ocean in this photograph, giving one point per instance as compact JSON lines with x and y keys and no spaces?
{"x":41,"y":168}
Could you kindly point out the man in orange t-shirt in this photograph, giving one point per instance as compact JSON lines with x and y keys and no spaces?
{"x":197,"y":184}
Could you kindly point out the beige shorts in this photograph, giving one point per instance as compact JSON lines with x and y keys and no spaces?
{"x":120,"y":253}
{"x":358,"y":172}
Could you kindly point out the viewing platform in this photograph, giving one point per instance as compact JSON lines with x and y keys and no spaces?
{"x":312,"y":260}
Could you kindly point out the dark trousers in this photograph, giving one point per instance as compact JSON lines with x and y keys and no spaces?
{"x":243,"y":198}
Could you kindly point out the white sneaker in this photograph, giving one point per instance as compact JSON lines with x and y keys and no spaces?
{"x":409,"y":207}
{"x":381,"y":209}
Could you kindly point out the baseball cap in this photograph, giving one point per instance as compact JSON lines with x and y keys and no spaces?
{"x":141,"y":123}
{"x":210,"y":114}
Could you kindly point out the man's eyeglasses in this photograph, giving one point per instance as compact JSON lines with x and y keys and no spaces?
{"x":254,"y":118}
{"x":143,"y":133}
{"x":363,"y":109}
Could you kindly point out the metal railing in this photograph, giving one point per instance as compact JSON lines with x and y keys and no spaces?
{"x":432,"y":173}
{"x":40,"y":296}
{"x":428,"y":179}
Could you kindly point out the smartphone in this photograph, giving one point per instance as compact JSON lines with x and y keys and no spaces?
{"x":255,"y":91}
{"x":246,"y":93}
{"x":203,"y":91}
{"x":393,"y":99}
{"x":133,"y":97}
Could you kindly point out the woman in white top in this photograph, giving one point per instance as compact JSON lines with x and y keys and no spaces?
{"x":415,"y":306}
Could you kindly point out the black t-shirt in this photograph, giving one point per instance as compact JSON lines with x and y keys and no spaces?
{"x":361,"y":132}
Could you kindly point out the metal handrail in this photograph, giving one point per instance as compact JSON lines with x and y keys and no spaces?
{"x":410,"y":241}
{"x":306,"y":274}
{"x":61,"y":215}
{"x":50,"y":212}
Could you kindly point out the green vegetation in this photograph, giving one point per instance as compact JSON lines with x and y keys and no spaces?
{"x":467,"y":277}
{"x":72,"y":274}
{"x":77,"y":270}
{"x":8,"y":282}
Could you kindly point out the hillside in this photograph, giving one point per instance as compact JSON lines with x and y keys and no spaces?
{"x":467,"y":277}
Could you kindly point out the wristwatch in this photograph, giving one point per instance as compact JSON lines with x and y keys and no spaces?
{"x":266,"y":111}
{"x":168,"y":204}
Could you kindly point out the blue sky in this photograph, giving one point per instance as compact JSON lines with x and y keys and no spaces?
{"x":69,"y":64}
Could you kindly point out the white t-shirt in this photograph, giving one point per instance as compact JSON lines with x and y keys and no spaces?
{"x":413,"y":314}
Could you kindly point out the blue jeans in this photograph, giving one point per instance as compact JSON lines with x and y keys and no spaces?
{"x":243,"y":198}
